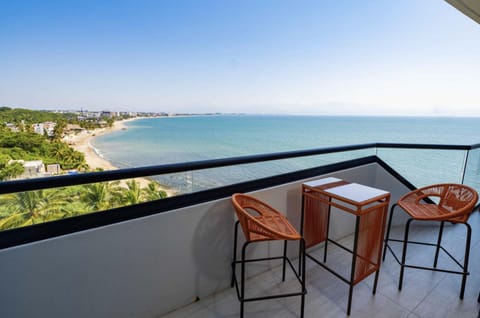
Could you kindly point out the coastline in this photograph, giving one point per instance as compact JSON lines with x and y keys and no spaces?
{"x":82,"y":142}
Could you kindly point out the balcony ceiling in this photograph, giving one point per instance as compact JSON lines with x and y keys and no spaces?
{"x":470,"y":8}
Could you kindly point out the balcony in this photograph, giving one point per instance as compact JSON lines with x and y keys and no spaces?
{"x":424,"y":294}
{"x":171,"y":257}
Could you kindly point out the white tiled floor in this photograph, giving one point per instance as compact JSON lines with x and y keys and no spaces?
{"x":424,"y":294}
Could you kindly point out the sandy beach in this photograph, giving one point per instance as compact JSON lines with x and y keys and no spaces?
{"x":82,"y":143}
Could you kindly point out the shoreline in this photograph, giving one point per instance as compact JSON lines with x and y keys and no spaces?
{"x":81,"y":142}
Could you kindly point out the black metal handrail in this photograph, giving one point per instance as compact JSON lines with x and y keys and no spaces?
{"x":426,"y":146}
{"x":120,"y":174}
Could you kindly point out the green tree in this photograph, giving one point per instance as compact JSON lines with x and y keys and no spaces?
{"x":59,"y":129}
{"x":72,"y":159}
{"x":57,"y":151}
{"x":152,"y":192}
{"x":32,"y":207}
{"x":101,"y":196}
{"x":110,"y":121}
{"x":9,"y":170}
{"x":76,"y":206}
{"x":132,"y":194}
{"x":29,"y":117}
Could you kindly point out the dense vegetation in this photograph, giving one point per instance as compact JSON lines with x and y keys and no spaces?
{"x":24,"y":144}
{"x":33,"y":207}
{"x":21,"y":143}
{"x":32,"y":146}
{"x":17,"y":115}
{"x":26,"y":117}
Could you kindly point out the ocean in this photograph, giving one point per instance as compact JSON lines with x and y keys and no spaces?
{"x":155,"y":141}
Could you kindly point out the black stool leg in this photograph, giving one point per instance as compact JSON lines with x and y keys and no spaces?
{"x":304,"y":291}
{"x":388,"y":231}
{"x":302,"y":216}
{"x":234,"y":263}
{"x":465,"y":262}
{"x":439,"y":241}
{"x":404,"y":254}
{"x":284,"y":259}
{"x":242,"y":287}
{"x":375,"y":282}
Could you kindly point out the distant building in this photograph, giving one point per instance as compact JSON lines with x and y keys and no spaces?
{"x":91,"y":115}
{"x":38,"y":128}
{"x":12,"y":127}
{"x":53,"y":169}
{"x":41,"y":128}
{"x":129,"y":114}
{"x":33,"y":168}
{"x":107,"y":114}
{"x":49,"y":126}
{"x":73,"y":128}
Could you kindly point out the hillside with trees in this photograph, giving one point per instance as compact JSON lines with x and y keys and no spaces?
{"x":18,"y":142}
{"x":27,"y":116}
{"x":21,"y":143}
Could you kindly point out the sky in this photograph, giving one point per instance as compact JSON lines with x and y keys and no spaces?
{"x":319,"y":57}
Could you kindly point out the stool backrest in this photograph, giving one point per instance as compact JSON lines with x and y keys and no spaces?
{"x":456,"y":199}
{"x":261,"y":221}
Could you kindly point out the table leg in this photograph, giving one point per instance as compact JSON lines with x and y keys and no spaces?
{"x":354,"y":262}
{"x":326,"y":237}
{"x":302,"y":216}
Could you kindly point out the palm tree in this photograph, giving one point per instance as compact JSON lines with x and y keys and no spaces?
{"x":152,"y":192}
{"x":69,"y":159}
{"x":57,"y":151}
{"x":77,"y":161}
{"x":83,"y":166}
{"x":101,"y":196}
{"x":75,"y":206}
{"x":32,"y":207}
{"x":59,"y":129}
{"x":132,"y":194}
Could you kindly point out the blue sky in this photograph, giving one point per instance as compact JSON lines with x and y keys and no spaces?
{"x":406,"y":57}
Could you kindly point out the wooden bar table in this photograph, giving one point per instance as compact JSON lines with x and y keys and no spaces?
{"x":369,"y":207}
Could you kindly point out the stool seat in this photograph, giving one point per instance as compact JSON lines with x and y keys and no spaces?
{"x":278,"y":227}
{"x":455,"y":202}
{"x":424,"y":211}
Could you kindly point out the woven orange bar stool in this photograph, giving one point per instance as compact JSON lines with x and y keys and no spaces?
{"x":439,"y":202}
{"x":260,"y":222}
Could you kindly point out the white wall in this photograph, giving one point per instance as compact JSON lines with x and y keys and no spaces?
{"x":148,"y":266}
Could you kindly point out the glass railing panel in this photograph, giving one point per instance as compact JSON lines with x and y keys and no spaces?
{"x":341,"y":156}
{"x":40,"y":206}
{"x":472,"y":169}
{"x":175,"y":183}
{"x":217,"y":177}
{"x":423,"y":167}
{"x":419,"y":166}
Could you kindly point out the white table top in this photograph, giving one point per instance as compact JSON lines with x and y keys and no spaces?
{"x":351,"y":191}
{"x":319,"y":182}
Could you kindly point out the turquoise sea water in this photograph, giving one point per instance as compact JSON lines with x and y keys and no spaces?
{"x":157,"y":141}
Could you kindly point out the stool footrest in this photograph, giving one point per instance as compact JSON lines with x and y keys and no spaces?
{"x":424,"y":267}
{"x":303,"y":292}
